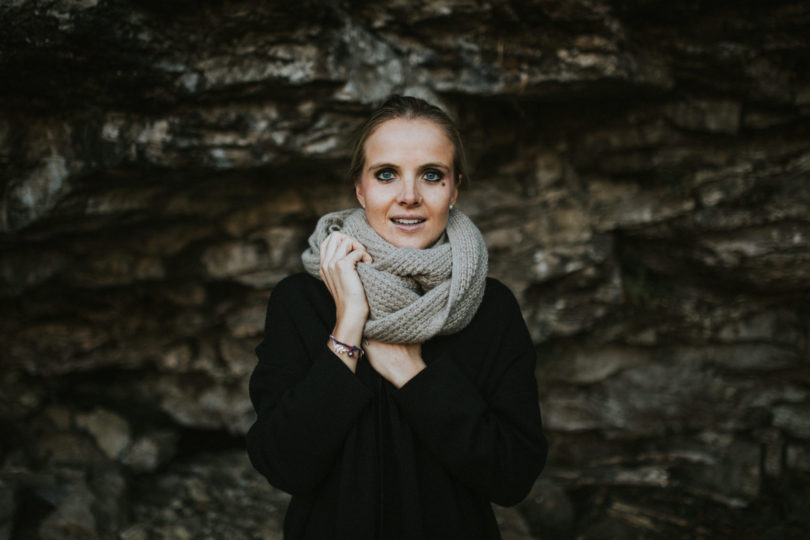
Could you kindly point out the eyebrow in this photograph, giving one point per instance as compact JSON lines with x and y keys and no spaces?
{"x":424,"y":166}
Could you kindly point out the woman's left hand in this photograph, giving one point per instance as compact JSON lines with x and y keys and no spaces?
{"x":396,"y":362}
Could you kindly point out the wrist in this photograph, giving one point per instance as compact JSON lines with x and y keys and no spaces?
{"x":353,"y":314}
{"x":349,"y":333}
{"x":350,"y":361}
{"x":352,"y":351}
{"x":349,"y":329}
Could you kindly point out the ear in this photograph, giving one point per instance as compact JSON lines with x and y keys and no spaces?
{"x":454,"y":195}
{"x":358,"y":191}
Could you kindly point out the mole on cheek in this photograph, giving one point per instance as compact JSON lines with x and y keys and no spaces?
{"x":444,"y":183}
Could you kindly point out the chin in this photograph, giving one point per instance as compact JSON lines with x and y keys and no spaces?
{"x":416,"y":240}
{"x":415,"y":245}
{"x":411,"y":242}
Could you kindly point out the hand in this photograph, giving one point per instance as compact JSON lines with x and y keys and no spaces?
{"x":398,"y":363}
{"x":339,"y":257}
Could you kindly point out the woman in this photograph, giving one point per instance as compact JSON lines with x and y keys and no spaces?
{"x":395,"y":391}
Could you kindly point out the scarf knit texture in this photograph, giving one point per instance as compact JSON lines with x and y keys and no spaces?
{"x":413,"y":294}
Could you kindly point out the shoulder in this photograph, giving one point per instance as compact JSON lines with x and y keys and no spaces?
{"x":498,"y":295}
{"x":499,"y":309}
{"x":295,"y":284}
{"x":300,"y":299}
{"x":497,"y":288}
{"x":300,"y":289}
{"x":494,"y":340}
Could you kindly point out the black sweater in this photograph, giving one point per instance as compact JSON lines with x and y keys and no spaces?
{"x":364,"y":460}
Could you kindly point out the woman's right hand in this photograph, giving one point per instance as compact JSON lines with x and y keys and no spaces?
{"x":340,"y":254}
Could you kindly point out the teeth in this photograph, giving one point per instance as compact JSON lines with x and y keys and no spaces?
{"x":409,"y":221}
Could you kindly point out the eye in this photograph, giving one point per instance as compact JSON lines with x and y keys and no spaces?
{"x":385,"y":174}
{"x":432,"y":175}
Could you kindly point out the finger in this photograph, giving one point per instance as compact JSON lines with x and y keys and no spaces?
{"x":323,"y":249}
{"x":336,"y":240}
{"x":356,"y":244}
{"x":327,"y":258}
{"x":332,"y":253}
{"x":322,"y":246}
{"x":338,"y":248}
{"x":346,"y":267}
{"x":354,"y":257}
{"x":328,"y":247}
{"x":345,"y":246}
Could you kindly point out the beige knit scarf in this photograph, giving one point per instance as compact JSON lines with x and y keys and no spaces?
{"x":413,"y":294}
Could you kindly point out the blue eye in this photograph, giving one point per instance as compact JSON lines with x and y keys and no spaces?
{"x":432,"y":175}
{"x":385,"y":174}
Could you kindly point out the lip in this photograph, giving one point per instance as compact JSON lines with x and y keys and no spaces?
{"x":407,"y":227}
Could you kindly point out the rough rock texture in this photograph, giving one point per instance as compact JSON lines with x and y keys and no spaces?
{"x":641,"y":175}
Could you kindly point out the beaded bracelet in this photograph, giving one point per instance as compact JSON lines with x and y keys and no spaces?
{"x":350,"y":350}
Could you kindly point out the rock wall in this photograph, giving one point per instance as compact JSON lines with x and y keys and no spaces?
{"x":640,"y":173}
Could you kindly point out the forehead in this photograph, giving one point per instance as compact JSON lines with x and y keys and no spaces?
{"x":401,"y":139}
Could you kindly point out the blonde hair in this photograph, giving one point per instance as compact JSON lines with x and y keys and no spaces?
{"x":408,"y":108}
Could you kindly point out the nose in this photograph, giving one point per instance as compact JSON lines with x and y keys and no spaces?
{"x":409,"y":194}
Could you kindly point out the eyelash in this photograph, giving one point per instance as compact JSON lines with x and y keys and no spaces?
{"x":379,"y":174}
{"x":438,"y":174}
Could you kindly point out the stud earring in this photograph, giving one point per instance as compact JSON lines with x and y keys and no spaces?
{"x":451,"y":207}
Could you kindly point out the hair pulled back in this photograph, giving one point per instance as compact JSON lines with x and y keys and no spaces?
{"x":408,"y":108}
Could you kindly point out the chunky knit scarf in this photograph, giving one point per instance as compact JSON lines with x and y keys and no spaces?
{"x":413,"y":294}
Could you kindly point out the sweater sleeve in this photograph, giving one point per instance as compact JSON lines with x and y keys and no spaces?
{"x":306,"y":399}
{"x":492,"y":442}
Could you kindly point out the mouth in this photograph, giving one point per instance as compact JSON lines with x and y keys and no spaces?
{"x":406,"y":224}
{"x":407,"y":221}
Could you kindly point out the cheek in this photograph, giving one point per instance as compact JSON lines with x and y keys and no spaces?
{"x":374,"y":199}
{"x":444,"y":196}
{"x":377,"y":205}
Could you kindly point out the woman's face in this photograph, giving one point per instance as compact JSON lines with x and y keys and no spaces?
{"x":408,"y":183}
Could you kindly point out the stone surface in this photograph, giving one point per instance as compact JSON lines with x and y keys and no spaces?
{"x":150,"y":451}
{"x":110,"y":431}
{"x":640,"y":172}
{"x":209,"y":496}
{"x":73,"y":518}
{"x":8,"y":507}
